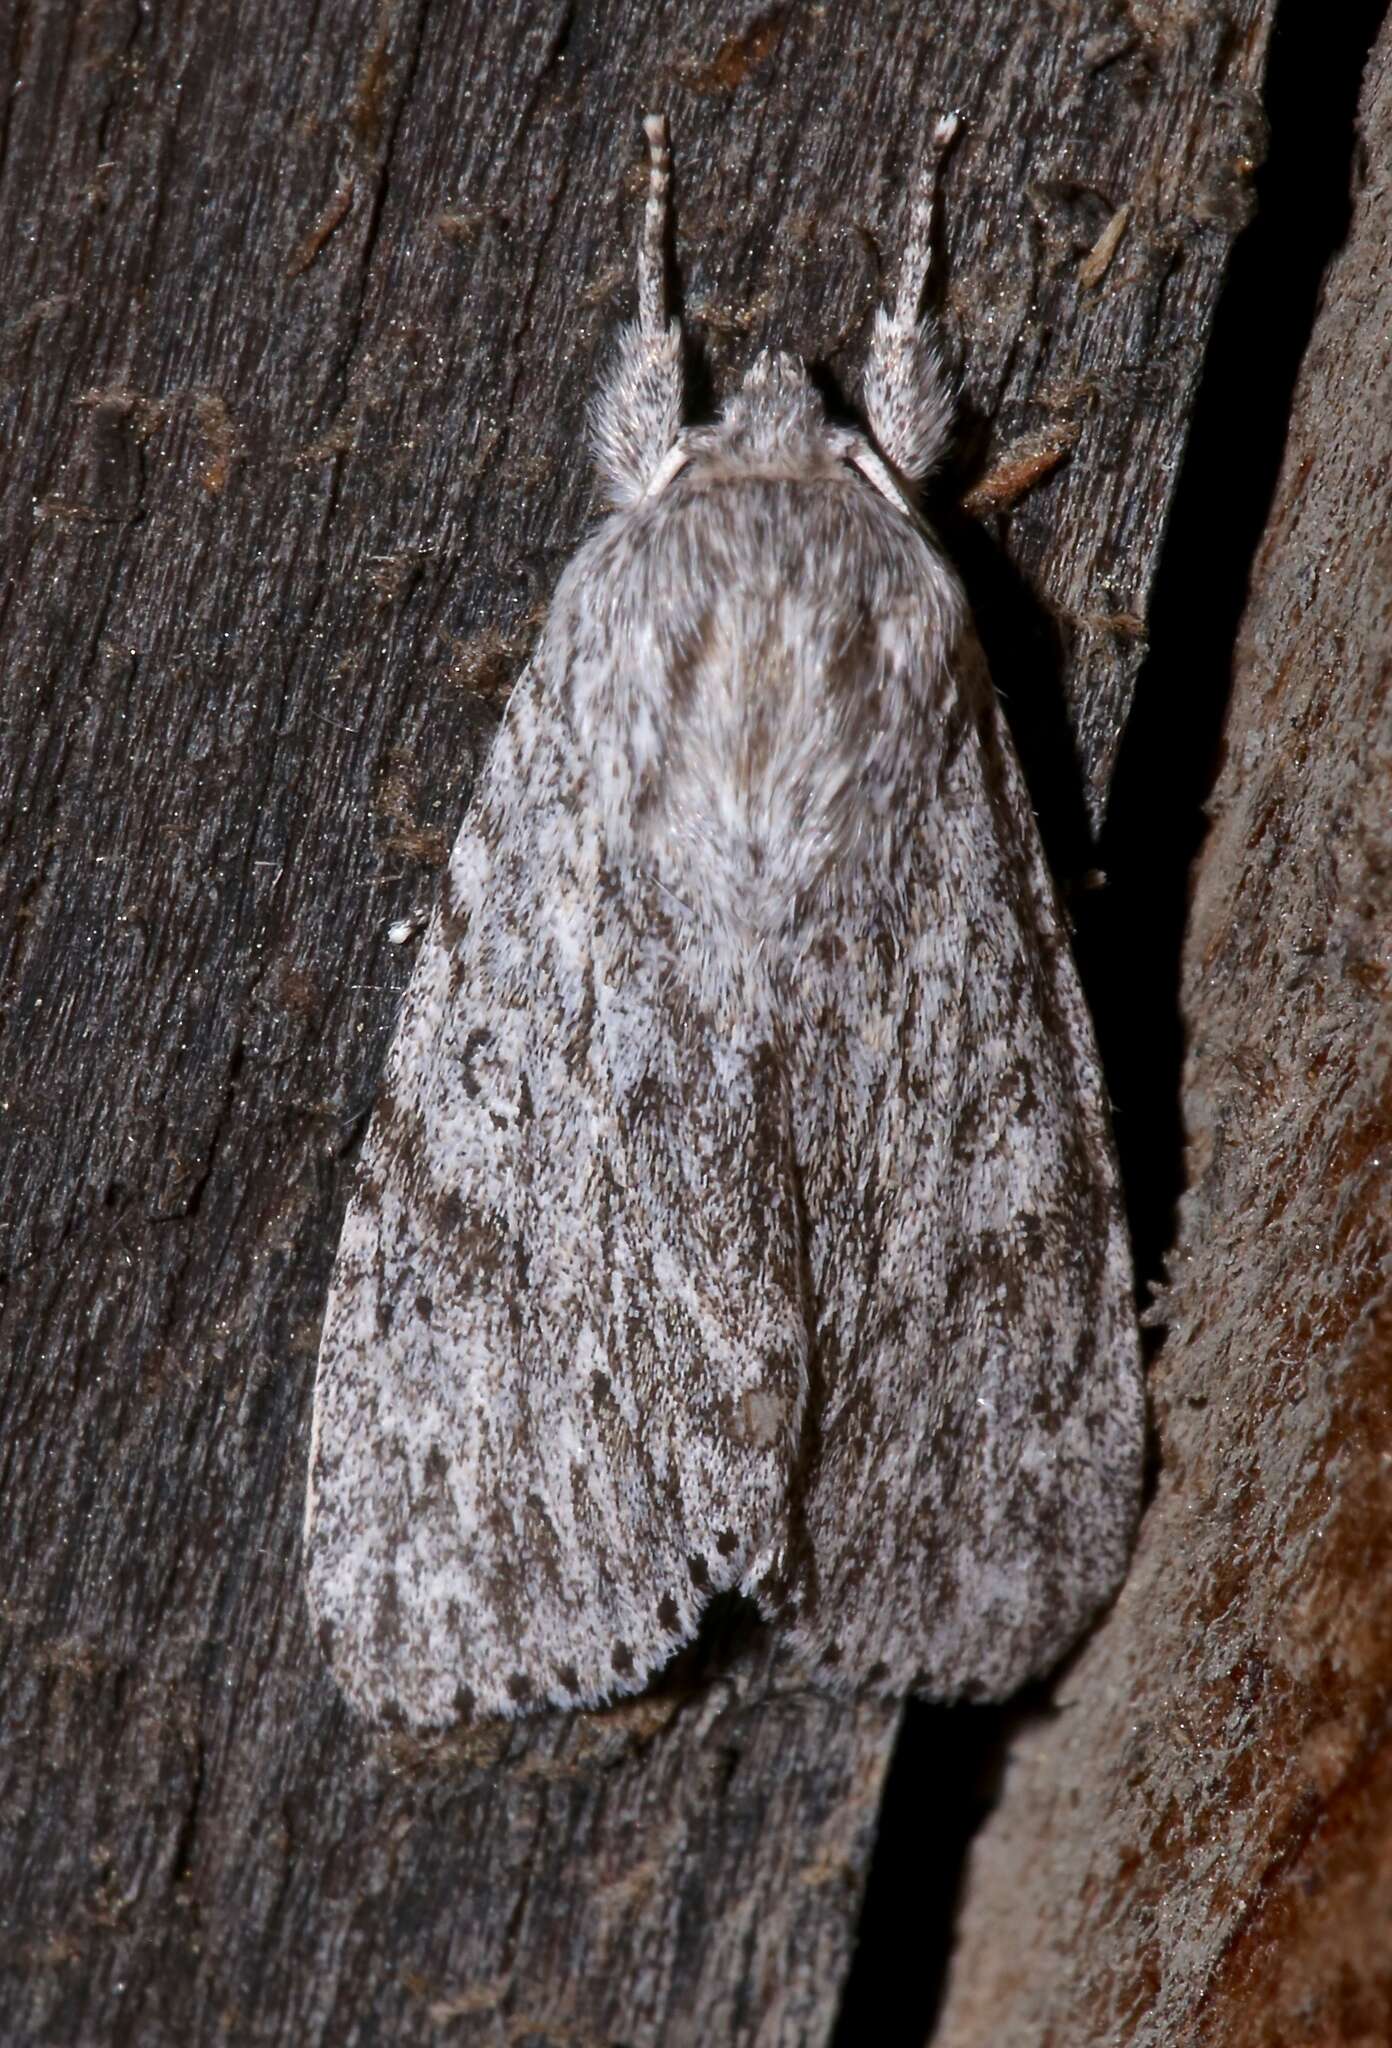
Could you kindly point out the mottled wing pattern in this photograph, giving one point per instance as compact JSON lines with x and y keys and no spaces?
{"x":973,"y":1487}
{"x":551,"y":1416}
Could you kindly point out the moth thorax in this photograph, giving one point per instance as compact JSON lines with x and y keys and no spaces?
{"x":773,"y":767}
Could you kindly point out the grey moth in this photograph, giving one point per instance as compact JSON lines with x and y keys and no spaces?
{"x":740,"y":1210}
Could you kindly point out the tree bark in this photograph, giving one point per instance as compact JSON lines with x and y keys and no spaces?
{"x":1198,"y":1848}
{"x":302,"y":311}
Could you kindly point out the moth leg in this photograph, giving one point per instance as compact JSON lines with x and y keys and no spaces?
{"x":907,"y":393}
{"x":637,"y":415}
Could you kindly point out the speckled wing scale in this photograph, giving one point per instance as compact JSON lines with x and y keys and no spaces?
{"x":740,"y":1210}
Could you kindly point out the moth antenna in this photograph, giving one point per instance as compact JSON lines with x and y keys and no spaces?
{"x":636,"y":417}
{"x":652,"y":250}
{"x":908,"y":395}
{"x":916,"y":258}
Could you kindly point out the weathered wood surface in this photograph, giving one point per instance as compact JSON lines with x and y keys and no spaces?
{"x":300,"y":313}
{"x":1198,"y":1849}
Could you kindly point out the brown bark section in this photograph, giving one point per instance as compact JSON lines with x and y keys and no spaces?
{"x":301,"y":309}
{"x":1198,"y":1849}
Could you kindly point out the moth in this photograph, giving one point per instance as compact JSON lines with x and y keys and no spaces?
{"x":740,"y":1210}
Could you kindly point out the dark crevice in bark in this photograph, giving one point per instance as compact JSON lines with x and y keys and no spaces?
{"x":938,"y":1792}
{"x":1129,"y":935}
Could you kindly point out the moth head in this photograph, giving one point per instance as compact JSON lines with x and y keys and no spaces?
{"x":774,"y":425}
{"x":776,"y":407}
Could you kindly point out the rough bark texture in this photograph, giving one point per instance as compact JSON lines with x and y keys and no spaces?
{"x":301,"y":310}
{"x":1198,"y":1849}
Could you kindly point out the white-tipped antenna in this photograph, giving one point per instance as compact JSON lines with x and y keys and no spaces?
{"x":637,"y":415}
{"x":918,"y":246}
{"x":652,"y":254}
{"x":908,"y":395}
